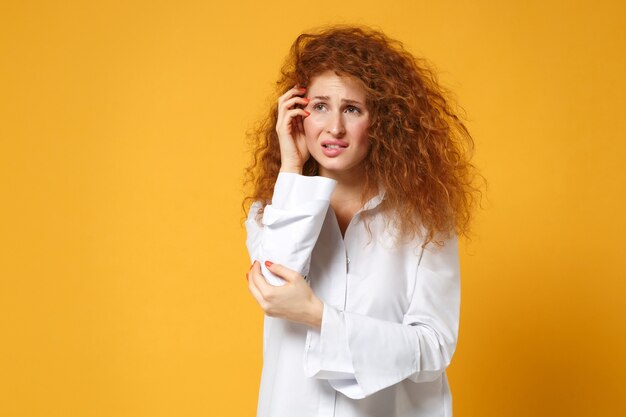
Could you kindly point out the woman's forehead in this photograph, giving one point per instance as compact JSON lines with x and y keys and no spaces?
{"x":329,"y":83}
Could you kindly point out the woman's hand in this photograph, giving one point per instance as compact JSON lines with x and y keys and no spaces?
{"x":290,"y":129}
{"x":294,"y":301}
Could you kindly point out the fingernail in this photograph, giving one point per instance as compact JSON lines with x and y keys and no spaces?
{"x":307,"y":113}
{"x":251,"y":266}
{"x":306,"y":99}
{"x":268,"y":264}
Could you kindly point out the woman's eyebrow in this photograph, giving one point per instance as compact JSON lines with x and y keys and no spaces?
{"x":345,"y":100}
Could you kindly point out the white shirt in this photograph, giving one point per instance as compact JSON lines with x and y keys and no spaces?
{"x":390,"y":320}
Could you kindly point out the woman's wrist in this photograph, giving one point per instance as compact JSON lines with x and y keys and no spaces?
{"x":291,"y":169}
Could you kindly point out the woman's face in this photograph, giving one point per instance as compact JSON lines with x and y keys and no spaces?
{"x":336,"y":129}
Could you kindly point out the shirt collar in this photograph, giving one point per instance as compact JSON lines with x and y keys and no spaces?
{"x":375,"y":201}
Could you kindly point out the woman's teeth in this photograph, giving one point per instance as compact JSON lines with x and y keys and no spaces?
{"x":332,"y":146}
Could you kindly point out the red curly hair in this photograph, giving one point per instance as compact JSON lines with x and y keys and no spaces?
{"x":419,"y":148}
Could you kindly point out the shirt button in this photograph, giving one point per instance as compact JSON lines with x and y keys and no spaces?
{"x":348,"y":260}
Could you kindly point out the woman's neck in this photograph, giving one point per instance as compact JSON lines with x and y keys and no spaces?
{"x":350,"y":185}
{"x":347,"y":199}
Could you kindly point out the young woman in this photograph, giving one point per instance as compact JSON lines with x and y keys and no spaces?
{"x":361,"y":185}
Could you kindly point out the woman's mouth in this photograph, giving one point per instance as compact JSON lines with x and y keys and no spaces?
{"x":332,"y":150}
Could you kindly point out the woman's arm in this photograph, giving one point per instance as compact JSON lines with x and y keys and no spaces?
{"x":290,"y":225}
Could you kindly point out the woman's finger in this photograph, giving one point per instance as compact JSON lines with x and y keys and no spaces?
{"x":260,"y":283}
{"x":300,"y":124}
{"x":287,"y":274}
{"x":291,"y":113}
{"x":291,"y":103}
{"x":254,"y":290}
{"x":291,"y":92}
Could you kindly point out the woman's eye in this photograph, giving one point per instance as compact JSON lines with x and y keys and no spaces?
{"x":352,"y":109}
{"x":318,"y":106}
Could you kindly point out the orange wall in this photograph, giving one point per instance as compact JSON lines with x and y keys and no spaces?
{"x":122,"y":260}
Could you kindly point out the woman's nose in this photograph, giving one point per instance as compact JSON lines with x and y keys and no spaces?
{"x":336,"y":126}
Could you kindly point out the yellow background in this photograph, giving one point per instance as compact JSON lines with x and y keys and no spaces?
{"x":122,"y":133}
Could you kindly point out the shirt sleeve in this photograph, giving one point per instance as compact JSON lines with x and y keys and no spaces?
{"x":360,"y":355}
{"x":290,"y":225}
